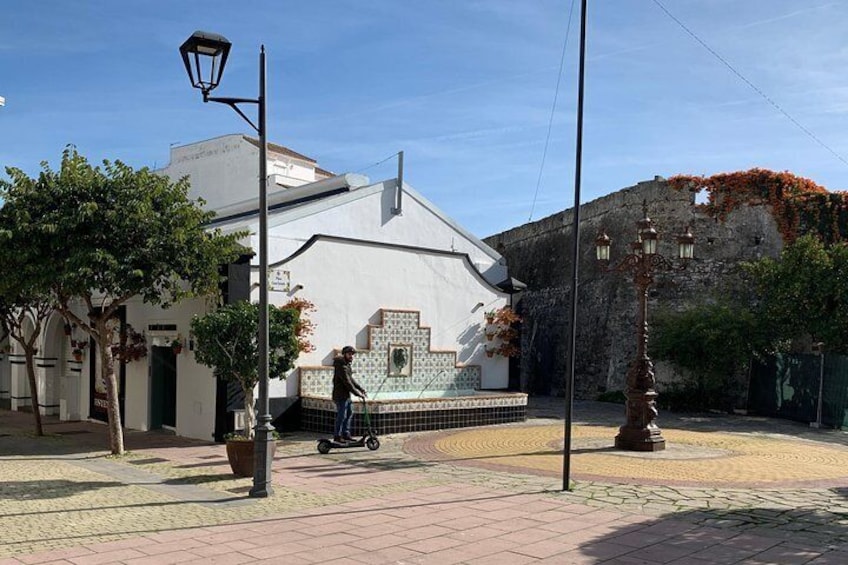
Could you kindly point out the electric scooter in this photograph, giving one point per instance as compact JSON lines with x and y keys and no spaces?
{"x":369,"y":438}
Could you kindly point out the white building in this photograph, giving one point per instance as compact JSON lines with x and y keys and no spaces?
{"x":379,"y":277}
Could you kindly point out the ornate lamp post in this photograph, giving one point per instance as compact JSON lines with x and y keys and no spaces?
{"x":641,"y":432}
{"x":205,"y":55}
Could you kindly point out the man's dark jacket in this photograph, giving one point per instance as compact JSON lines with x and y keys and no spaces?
{"x":343,"y":383}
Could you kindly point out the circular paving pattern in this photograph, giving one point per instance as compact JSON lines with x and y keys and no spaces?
{"x":691,"y":458}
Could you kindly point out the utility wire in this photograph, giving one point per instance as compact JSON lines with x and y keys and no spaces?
{"x":392,"y":156}
{"x":765,"y":97}
{"x":553,"y":108}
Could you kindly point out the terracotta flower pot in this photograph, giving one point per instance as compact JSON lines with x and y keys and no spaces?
{"x":240,"y":456}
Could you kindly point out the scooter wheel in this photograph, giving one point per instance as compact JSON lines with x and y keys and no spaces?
{"x":372,"y":443}
{"x":324,"y":447}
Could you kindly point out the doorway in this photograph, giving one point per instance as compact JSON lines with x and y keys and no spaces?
{"x":163,"y":388}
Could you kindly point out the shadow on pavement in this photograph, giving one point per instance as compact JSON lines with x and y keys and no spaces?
{"x":35,"y":490}
{"x":757,"y":535}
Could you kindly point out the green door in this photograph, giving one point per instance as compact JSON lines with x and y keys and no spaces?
{"x":163,"y":389}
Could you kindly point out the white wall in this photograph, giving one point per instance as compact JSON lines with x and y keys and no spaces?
{"x":350,"y":282}
{"x":225,"y":170}
{"x":365,"y":213}
{"x":195,"y":383}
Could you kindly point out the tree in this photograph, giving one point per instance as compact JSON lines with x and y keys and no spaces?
{"x":714,"y":343}
{"x":26,"y":300}
{"x":114,"y":233}
{"x":227,"y":341}
{"x":805,"y":292}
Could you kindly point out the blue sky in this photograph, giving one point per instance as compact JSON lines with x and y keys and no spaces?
{"x":464,"y":87}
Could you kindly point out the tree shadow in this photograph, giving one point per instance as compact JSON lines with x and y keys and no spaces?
{"x":59,"y":488}
{"x":756,"y":534}
{"x":200,"y":479}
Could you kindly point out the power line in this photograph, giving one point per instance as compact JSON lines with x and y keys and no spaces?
{"x":392,"y":156}
{"x":553,"y":108}
{"x":765,"y":97}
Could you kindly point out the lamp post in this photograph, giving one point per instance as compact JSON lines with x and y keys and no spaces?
{"x":640,"y":432}
{"x":205,"y":55}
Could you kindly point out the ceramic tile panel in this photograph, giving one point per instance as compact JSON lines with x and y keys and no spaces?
{"x":424,"y":369}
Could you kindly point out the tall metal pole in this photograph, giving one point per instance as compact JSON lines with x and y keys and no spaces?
{"x":264,"y":436}
{"x":575,"y":256}
{"x":818,"y":421}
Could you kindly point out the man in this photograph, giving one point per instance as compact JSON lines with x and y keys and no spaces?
{"x":343,"y":386}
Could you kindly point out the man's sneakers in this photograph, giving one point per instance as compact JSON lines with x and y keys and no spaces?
{"x":348,"y":439}
{"x":338,"y":439}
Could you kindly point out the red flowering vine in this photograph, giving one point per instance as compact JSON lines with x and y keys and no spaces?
{"x":798,"y":204}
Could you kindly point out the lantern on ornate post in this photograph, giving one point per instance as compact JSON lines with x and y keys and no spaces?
{"x":640,"y":432}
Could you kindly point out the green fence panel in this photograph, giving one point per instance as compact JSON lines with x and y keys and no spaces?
{"x":787,"y":386}
{"x":835,"y":391}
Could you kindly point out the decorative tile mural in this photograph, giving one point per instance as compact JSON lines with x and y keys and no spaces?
{"x":398,"y":362}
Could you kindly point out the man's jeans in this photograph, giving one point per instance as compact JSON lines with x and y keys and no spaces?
{"x":344,"y":413}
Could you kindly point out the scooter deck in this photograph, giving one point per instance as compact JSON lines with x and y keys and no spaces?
{"x":354,"y":443}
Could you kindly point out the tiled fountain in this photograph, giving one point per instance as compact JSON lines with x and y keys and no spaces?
{"x":410,"y":387}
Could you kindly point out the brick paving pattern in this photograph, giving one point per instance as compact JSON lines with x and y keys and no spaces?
{"x":728,"y":490}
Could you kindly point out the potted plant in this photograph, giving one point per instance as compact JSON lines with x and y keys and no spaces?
{"x":77,"y":353}
{"x":131,"y":346}
{"x":177,"y":344}
{"x":226,"y":341}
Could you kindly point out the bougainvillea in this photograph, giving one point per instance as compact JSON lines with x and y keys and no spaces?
{"x":798,"y":204}
{"x":304,"y":326}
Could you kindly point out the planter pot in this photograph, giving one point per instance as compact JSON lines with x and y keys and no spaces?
{"x":178,"y":349}
{"x":490,"y":353}
{"x":240,"y":456}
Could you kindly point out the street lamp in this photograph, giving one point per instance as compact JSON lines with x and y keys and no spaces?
{"x":205,"y":55}
{"x":641,"y":433}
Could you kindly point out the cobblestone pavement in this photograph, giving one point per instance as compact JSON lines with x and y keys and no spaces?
{"x":729,"y":489}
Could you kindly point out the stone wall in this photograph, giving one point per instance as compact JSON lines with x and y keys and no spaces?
{"x":539,"y":254}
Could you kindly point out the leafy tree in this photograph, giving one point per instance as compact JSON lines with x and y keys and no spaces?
{"x":714,"y":343}
{"x":227,"y":341}
{"x":110,"y":234}
{"x":26,"y":300}
{"x":805,"y":292}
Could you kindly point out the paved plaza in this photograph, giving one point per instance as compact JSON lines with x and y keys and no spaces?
{"x":729,"y":489}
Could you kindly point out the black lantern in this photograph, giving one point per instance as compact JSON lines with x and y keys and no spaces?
{"x":648,"y":236}
{"x":602,"y":246}
{"x":686,"y":245}
{"x":205,"y":55}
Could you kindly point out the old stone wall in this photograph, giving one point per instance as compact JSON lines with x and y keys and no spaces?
{"x":539,"y":254}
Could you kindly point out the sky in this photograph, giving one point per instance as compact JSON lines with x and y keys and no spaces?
{"x":479,"y":94}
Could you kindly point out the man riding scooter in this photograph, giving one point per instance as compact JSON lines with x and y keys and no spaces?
{"x":343,"y":386}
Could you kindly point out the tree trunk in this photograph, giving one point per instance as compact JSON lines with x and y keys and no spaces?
{"x":29,"y":353}
{"x":249,"y":412}
{"x":107,"y":371}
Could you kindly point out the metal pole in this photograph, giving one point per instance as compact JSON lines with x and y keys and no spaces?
{"x":263,"y":437}
{"x":398,"y":209}
{"x":821,"y":389}
{"x":575,"y":256}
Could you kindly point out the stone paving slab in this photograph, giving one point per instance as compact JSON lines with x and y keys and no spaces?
{"x":173,"y":500}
